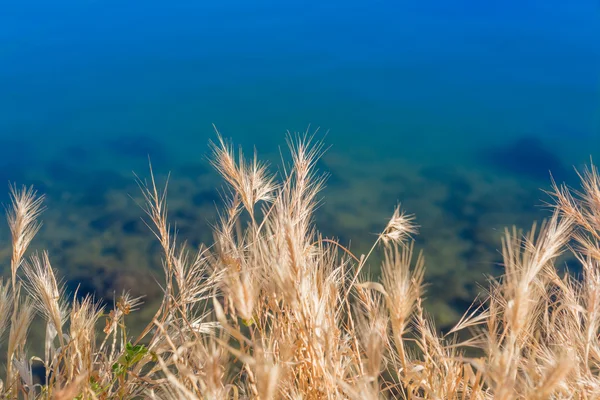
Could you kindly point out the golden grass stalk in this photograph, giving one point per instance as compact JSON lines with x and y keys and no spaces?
{"x":274,"y":310}
{"x":22,"y":218}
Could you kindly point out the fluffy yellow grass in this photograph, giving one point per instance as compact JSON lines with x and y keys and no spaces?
{"x":274,"y":310}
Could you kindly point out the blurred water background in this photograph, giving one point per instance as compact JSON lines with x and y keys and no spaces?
{"x":458,"y":109}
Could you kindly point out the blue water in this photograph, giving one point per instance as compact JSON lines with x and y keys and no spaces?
{"x":504,"y":89}
{"x":431,"y":79}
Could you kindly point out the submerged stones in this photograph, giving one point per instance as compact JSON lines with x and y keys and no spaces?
{"x":98,"y":239}
{"x":137,"y":147}
{"x":526,"y":156}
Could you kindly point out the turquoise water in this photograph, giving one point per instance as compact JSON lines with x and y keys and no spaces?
{"x":427,"y":78}
{"x":458,"y":109}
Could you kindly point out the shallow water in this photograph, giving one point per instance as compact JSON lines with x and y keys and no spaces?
{"x":457,"y":109}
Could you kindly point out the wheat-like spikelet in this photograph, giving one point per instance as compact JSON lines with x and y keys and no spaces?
{"x":22,"y":219}
{"x":274,"y":310}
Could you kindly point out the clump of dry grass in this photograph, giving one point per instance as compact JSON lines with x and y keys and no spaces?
{"x":274,"y":310}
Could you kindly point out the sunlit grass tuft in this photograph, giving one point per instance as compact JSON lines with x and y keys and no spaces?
{"x":272,"y":309}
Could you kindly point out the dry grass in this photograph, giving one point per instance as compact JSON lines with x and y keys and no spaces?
{"x":274,"y":310}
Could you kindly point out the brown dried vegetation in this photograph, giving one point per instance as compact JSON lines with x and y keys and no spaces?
{"x":274,"y":310}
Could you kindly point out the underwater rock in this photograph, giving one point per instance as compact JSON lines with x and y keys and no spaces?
{"x":106,"y":221}
{"x":526,"y":156}
{"x":113,"y":251}
{"x":206,"y":197}
{"x":185,"y":215}
{"x":77,"y":153}
{"x":96,"y":281}
{"x":134,"y":226}
{"x":137,"y":147}
{"x":333,"y":179}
